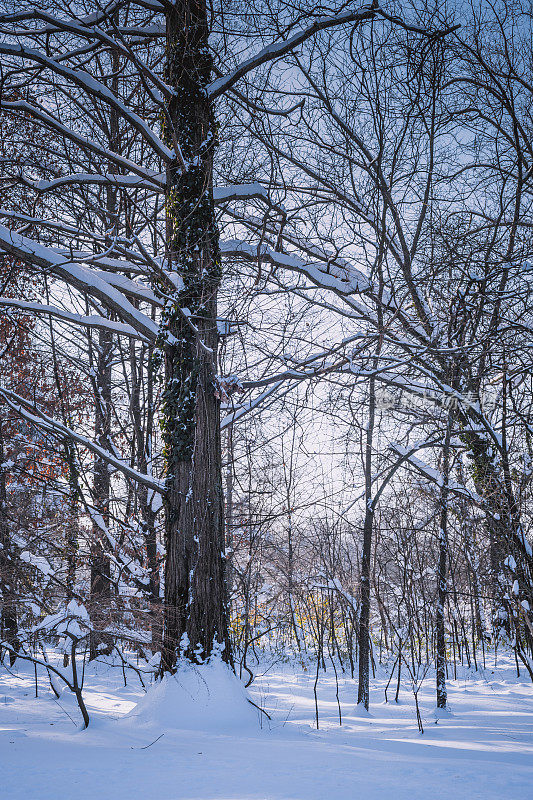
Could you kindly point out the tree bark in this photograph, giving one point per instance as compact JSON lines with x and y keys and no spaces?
{"x":195,"y":591}
{"x":442,"y":697}
{"x":100,"y":589}
{"x":8,"y":576}
{"x":511,"y":558}
{"x":363,"y":692}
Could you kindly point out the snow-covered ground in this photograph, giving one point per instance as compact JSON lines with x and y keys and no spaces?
{"x":196,"y":738}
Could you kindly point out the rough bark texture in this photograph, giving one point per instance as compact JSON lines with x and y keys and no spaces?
{"x":195,"y":592}
{"x":511,"y":557}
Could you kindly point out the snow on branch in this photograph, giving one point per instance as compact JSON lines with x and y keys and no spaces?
{"x":271,"y":394}
{"x":83,"y":320}
{"x":275,"y":50}
{"x":433,"y":475}
{"x":155,"y":182}
{"x":54,"y":124}
{"x":341,"y":279}
{"x":92,"y":87}
{"x":316,"y":365}
{"x":36,"y":417}
{"x":84,"y":280}
{"x":57,"y":23}
{"x":278,"y":49}
{"x":52,"y":224}
{"x":86,"y":28}
{"x":244,"y":191}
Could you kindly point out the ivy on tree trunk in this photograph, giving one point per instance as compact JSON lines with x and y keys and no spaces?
{"x":195,"y":593}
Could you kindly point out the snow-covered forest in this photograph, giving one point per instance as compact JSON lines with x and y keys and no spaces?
{"x":266,"y":409}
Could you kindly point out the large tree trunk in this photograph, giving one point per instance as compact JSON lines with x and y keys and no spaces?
{"x":511,"y":557}
{"x":195,"y":591}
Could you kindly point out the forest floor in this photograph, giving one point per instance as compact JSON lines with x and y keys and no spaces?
{"x":196,"y":737}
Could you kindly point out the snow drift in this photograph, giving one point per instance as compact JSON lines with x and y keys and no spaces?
{"x":209,"y":697}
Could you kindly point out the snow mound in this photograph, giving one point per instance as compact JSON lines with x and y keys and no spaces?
{"x":209,"y":697}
